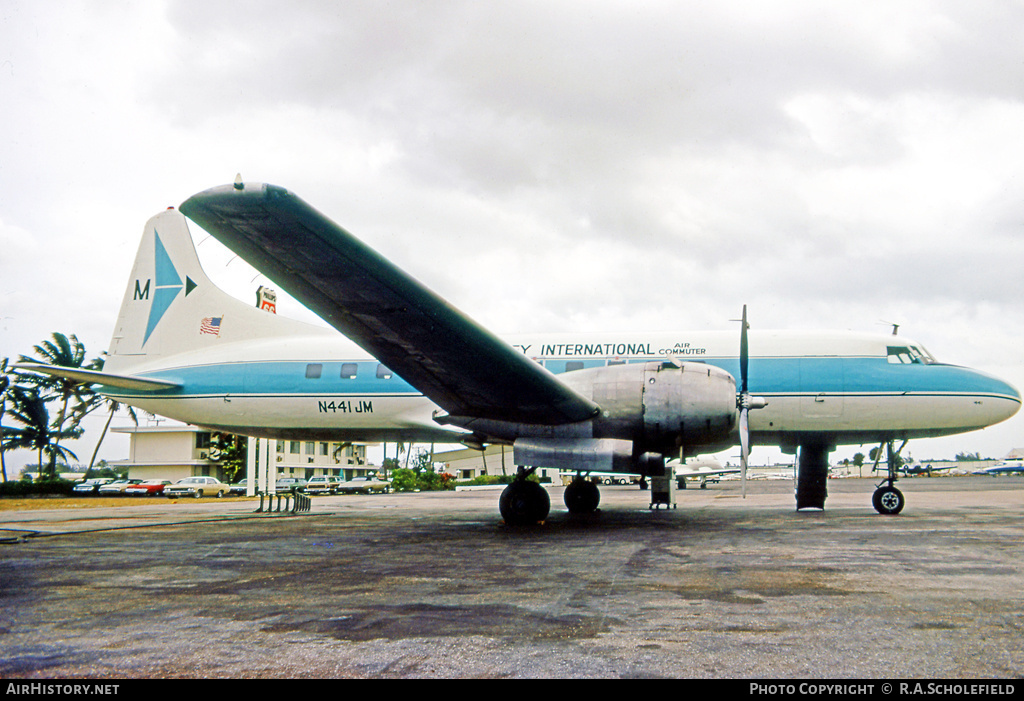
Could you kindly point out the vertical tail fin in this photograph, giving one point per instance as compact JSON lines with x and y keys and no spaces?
{"x":170,"y":306}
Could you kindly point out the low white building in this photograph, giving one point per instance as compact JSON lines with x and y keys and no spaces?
{"x":467,"y":463}
{"x":168,"y":452}
{"x":173,"y":452}
{"x":307,"y":459}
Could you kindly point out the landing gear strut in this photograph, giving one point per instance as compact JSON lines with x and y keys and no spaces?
{"x":812,"y":476}
{"x":524,"y":502}
{"x":887,"y":499}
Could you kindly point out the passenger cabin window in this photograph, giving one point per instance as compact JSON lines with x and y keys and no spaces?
{"x":314,"y":370}
{"x":348,"y":371}
{"x":383,"y":373}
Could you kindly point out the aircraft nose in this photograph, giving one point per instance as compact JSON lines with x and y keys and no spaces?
{"x":1004,"y":399}
{"x":1014,"y":395}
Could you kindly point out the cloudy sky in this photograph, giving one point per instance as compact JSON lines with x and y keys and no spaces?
{"x":545,"y":166}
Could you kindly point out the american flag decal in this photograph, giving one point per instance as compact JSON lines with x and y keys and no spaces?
{"x":211,"y":325}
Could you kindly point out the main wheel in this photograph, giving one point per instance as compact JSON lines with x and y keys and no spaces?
{"x":524,"y":503}
{"x":582,"y":497}
{"x":888,"y":500}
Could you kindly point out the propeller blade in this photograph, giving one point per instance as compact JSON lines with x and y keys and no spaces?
{"x":744,"y":450}
{"x":744,"y":352}
{"x":744,"y":402}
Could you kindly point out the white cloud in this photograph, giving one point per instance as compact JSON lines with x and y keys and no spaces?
{"x":542,"y":165}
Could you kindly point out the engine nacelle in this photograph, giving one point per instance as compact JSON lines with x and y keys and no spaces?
{"x":648,"y":411}
{"x":661,"y":407}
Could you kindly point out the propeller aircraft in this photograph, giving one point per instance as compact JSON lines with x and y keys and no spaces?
{"x":408,"y":366}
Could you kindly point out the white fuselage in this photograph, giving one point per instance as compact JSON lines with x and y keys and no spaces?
{"x":837,"y":388}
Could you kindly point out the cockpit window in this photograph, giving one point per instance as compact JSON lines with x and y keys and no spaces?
{"x":908,"y":355}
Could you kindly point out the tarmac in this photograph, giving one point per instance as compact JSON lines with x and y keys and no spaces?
{"x":434,"y":585}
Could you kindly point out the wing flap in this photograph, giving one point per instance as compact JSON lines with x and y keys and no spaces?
{"x":454,"y":361}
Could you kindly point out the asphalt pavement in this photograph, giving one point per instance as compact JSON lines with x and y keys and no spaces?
{"x":434,"y":585}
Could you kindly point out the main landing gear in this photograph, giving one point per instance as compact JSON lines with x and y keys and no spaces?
{"x":524,"y":502}
{"x":887,"y":499}
{"x":582,"y":496}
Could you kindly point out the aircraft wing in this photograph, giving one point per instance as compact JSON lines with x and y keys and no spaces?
{"x":455,"y":362}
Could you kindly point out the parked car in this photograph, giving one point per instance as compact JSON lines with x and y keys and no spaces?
{"x":240,"y":488}
{"x":322,"y":484}
{"x":367,"y":484}
{"x":117,"y":487}
{"x":290,"y":484}
{"x":197,"y":487}
{"x":147,"y":488}
{"x":90,"y":486}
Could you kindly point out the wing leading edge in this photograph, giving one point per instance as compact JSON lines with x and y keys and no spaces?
{"x":454,"y":361}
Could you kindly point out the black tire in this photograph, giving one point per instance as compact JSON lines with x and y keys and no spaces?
{"x":524,"y":503}
{"x":199,"y":494}
{"x":888,"y":501}
{"x":582,"y":497}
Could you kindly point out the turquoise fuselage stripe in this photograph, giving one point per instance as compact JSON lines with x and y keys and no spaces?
{"x":768,"y":376}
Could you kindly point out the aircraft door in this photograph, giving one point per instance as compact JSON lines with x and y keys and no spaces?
{"x":822,"y":386}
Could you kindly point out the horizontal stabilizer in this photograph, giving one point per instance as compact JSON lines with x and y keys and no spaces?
{"x":99,"y":378}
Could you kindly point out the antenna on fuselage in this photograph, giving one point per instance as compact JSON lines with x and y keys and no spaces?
{"x":895,"y":326}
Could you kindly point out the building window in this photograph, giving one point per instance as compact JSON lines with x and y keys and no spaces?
{"x":323,"y":449}
{"x":293,"y":447}
{"x":202,"y":440}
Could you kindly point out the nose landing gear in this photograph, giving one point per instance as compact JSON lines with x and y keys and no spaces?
{"x":887,"y":499}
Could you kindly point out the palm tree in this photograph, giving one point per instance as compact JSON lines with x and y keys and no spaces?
{"x":29,"y":409}
{"x":95,"y":402}
{"x":68,"y":352}
{"x":5,"y":383}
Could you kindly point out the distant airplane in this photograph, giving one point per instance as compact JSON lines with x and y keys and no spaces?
{"x":419,"y":370}
{"x":917,"y":469}
{"x":702,"y":470}
{"x":1009,"y":467}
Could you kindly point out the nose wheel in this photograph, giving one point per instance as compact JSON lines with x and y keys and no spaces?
{"x":887,"y":499}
